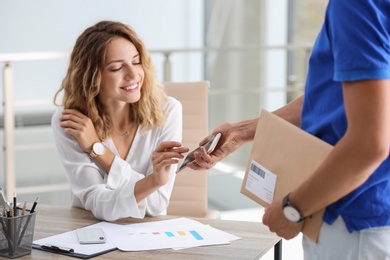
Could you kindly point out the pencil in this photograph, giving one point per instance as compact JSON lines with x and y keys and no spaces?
{"x":28,"y":220}
{"x":24,"y":208}
{"x":21,"y":220}
{"x":12,"y":227}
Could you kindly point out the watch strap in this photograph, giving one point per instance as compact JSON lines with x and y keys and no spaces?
{"x":93,"y":154}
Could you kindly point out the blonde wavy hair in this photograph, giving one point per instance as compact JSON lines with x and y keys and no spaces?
{"x":81,"y":85}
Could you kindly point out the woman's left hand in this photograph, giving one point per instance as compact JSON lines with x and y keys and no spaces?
{"x":166,"y":154}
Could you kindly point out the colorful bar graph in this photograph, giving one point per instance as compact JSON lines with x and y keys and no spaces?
{"x":181,"y":233}
{"x":196,"y":235}
{"x":169,"y":234}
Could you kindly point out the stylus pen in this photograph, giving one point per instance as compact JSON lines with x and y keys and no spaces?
{"x":34,"y":205}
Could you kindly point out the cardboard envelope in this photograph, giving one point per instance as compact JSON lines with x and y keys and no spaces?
{"x":282,"y":157}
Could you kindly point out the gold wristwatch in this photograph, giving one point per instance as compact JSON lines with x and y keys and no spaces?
{"x":98,"y":149}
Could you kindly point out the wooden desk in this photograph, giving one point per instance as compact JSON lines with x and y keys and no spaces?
{"x":256,"y":239}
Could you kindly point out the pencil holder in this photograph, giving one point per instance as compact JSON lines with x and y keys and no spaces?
{"x":16,"y":235}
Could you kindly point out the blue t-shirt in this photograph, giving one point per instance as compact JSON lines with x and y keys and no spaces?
{"x":353,"y":44}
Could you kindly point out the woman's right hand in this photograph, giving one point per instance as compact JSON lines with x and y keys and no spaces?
{"x":166,"y":154}
{"x":80,"y":127}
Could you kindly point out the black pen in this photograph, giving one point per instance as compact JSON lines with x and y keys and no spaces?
{"x":58,"y":248}
{"x":34,"y":205}
{"x":15,"y":209}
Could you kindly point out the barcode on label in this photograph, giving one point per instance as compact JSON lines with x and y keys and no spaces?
{"x":258,"y":171}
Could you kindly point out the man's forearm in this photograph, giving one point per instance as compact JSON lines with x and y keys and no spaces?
{"x":291,"y":112}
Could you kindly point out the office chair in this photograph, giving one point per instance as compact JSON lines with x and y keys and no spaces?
{"x":189,"y":195}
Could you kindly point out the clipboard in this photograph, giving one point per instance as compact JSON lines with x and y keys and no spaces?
{"x":74,"y":254}
{"x":69,"y":240}
{"x":282,"y":157}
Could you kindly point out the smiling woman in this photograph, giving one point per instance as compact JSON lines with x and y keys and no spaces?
{"x":117,"y":133}
{"x":122,"y":74}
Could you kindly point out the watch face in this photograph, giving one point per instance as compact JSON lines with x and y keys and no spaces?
{"x":291,"y":214}
{"x":99,"y":149}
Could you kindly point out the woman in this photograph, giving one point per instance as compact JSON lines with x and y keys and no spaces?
{"x":117,"y":133}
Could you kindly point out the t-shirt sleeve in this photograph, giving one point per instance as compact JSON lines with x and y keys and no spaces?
{"x":360,"y":36}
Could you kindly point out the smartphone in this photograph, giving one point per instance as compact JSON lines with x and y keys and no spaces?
{"x":91,"y":236}
{"x":210,"y":146}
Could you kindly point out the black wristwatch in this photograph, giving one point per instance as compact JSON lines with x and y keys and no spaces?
{"x":290,"y":212}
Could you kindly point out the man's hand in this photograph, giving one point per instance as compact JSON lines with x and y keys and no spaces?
{"x":274,"y":218}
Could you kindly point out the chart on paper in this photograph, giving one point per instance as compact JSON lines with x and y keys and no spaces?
{"x":191,"y":234}
{"x":147,"y":239}
{"x":176,"y":233}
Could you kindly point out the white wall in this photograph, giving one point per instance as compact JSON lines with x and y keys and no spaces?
{"x":53,"y":25}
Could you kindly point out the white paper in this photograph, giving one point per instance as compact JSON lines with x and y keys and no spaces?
{"x":261,"y":182}
{"x":227,"y":236}
{"x":175,"y":233}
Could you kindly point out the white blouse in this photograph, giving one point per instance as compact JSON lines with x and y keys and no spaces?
{"x":111,"y":196}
